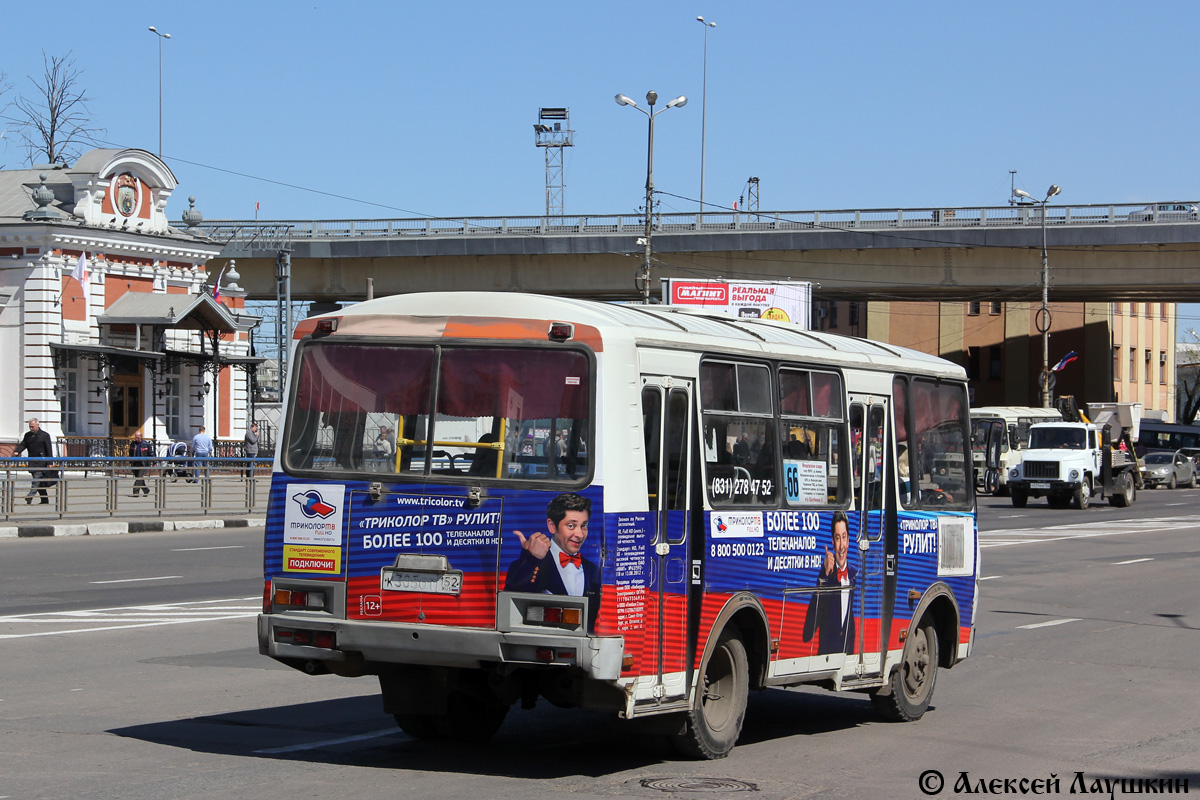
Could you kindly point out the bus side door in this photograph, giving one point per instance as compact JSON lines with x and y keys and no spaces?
{"x":667,"y":418}
{"x":868,"y":435}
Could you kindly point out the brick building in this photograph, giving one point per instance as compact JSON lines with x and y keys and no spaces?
{"x":1126,"y":350}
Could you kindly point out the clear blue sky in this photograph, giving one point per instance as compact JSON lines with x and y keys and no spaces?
{"x":426,"y":109}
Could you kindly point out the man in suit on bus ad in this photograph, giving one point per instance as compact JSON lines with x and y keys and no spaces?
{"x":553,"y":564}
{"x":830,"y":611}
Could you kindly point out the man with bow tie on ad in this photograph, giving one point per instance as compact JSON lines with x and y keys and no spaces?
{"x":553,"y":564}
{"x":831,"y":612}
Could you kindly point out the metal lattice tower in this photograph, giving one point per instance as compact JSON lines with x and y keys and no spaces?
{"x":553,"y":132}
{"x":752,"y":191}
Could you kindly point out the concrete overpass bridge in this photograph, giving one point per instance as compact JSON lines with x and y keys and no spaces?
{"x":1097,"y":253}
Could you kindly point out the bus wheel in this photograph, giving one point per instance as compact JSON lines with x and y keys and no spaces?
{"x":715,"y":721}
{"x":467,"y":719}
{"x":418,"y":726}
{"x":1020,"y":498}
{"x":910,"y":688}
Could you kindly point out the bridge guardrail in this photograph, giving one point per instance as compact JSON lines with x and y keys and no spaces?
{"x":249,"y":231}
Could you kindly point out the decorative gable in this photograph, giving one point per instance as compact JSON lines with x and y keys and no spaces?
{"x":123,"y":189}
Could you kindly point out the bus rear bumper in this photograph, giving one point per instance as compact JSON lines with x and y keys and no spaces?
{"x":382,"y":643}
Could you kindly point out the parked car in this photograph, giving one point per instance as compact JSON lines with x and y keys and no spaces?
{"x":1168,"y":469}
{"x":1165,"y":211}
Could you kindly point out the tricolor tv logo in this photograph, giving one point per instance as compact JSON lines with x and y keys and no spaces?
{"x":312,"y":505}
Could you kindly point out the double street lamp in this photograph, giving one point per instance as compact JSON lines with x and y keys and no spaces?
{"x":160,"y":36}
{"x":1043,"y":315}
{"x":651,"y":99}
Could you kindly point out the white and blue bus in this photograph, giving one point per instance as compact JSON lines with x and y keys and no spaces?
{"x":485,"y":499}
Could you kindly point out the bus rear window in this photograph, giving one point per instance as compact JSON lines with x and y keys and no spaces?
{"x":498,"y":413}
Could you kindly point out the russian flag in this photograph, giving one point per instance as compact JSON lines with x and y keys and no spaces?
{"x":1067,"y":359}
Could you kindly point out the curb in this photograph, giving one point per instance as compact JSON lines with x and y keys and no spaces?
{"x":108,"y":528}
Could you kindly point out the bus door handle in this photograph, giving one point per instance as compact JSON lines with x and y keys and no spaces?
{"x":864,"y":544}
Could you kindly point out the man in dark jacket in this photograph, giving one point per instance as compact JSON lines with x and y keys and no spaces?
{"x":37,"y":443}
{"x":140,"y":449}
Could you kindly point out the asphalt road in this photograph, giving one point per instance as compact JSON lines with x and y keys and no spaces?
{"x":130,"y":671}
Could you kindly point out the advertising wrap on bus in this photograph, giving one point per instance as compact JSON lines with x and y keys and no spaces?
{"x":612,"y":508}
{"x":365,"y":542}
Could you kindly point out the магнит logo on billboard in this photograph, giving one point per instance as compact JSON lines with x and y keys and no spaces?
{"x":699,"y":293}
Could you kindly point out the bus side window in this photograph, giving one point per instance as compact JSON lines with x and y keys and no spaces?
{"x":652,"y":434}
{"x":905,"y":472}
{"x":811,"y":418}
{"x":938,"y":414}
{"x":739,"y":429}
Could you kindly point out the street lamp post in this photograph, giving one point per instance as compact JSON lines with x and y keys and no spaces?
{"x":704,"y":107}
{"x":160,"y":36}
{"x":1043,"y":316}
{"x":651,"y":99}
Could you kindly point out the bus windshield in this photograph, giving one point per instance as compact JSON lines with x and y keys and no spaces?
{"x":520,"y":413}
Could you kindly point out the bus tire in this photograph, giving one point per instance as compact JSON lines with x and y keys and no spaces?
{"x":910,"y":688}
{"x":1020,"y":497}
{"x":712,"y":727}
{"x":468,"y":719}
{"x":419,"y":726}
{"x":471,"y":719}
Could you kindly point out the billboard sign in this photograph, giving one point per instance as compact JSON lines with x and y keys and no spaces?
{"x":788,"y":301}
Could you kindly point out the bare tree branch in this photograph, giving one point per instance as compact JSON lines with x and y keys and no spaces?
{"x":56,"y":122}
{"x":1187,"y":379}
{"x":4,"y":87}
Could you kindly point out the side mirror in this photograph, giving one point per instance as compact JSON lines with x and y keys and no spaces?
{"x":996,"y":433}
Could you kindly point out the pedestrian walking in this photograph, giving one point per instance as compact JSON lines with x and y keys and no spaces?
{"x":202,"y":447}
{"x":250,"y":450}
{"x":37,"y":443}
{"x":139,"y":448}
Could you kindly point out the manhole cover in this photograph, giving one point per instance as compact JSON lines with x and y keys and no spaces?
{"x":698,"y":785}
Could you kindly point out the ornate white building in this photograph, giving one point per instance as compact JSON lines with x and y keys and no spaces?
{"x":107,"y":322}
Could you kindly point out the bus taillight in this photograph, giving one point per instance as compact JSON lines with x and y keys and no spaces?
{"x":552,"y":615}
{"x":308,"y":600}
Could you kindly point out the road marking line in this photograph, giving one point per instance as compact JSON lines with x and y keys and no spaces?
{"x":138,"y":580}
{"x":991,"y":577}
{"x":1048,"y":624}
{"x":1060,"y":535}
{"x":1133,"y":561}
{"x":159,"y":607}
{"x":223,"y":547}
{"x":116,"y":627}
{"x":329,"y":742}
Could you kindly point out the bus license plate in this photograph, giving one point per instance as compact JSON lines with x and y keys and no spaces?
{"x":397,"y":580}
{"x":1039,"y":486}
